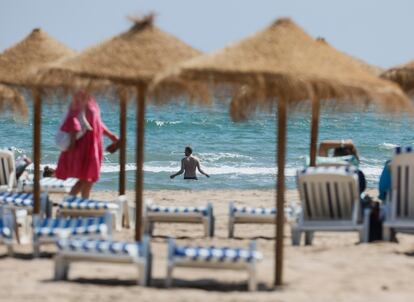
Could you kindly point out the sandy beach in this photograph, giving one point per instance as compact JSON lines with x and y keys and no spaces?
{"x":335,"y":267}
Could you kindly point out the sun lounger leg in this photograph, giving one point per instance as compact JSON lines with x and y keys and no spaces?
{"x":118,"y":219}
{"x":308,"y":238}
{"x":296,"y":234}
{"x":36,"y":249}
{"x":231,"y":227}
{"x":252,"y":283}
{"x":60,"y":268}
{"x":387,"y":233}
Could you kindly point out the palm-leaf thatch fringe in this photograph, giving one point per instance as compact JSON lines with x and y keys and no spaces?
{"x":12,"y":101}
{"x":281,"y":61}
{"x":403,"y":75}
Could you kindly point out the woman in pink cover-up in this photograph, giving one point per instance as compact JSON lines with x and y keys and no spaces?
{"x":84,"y":157}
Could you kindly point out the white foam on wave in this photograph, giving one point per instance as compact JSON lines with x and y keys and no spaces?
{"x":372,"y":173}
{"x":388,"y":146}
{"x":212,"y":157}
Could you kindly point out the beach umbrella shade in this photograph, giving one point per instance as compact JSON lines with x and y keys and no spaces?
{"x":16,"y":64}
{"x":403,"y":75}
{"x":11,"y":100}
{"x":279,"y":66}
{"x":130,"y":59}
{"x":374,"y":70}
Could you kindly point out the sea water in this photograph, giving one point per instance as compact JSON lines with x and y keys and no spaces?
{"x":236,"y":155}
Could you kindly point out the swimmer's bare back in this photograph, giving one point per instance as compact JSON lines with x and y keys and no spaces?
{"x":189,"y":165}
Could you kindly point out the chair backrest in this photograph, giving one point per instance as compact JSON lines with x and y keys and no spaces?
{"x":329,"y":193}
{"x":7,"y":165}
{"x":402,"y":184}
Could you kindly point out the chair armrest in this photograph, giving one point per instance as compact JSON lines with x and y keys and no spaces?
{"x":12,"y":181}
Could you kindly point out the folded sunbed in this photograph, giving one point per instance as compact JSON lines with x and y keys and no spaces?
{"x":137,"y":254}
{"x":179,"y":214}
{"x":211,"y":257}
{"x":75,"y":206}
{"x":50,"y":230}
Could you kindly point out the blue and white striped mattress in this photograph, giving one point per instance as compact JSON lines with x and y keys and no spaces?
{"x":5,"y":231}
{"x":77,"y":203}
{"x":104,"y":247}
{"x":152,"y":208}
{"x":17,"y":199}
{"x":71,"y":226}
{"x":216,"y":254}
{"x":50,"y":184}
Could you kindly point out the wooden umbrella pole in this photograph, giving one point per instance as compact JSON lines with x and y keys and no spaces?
{"x":139,"y":181}
{"x":122,"y":140}
{"x":314,"y":130}
{"x":37,"y":125}
{"x":280,"y":189}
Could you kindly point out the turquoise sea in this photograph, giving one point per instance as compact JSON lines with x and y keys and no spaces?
{"x":237,"y":155}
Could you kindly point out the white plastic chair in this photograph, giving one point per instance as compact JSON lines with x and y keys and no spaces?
{"x":400,"y":204}
{"x":330,"y":202}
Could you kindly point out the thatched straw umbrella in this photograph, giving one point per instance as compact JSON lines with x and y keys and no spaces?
{"x":12,"y":100}
{"x":374,"y":70}
{"x":279,"y":66}
{"x":130,"y":59}
{"x":19,"y":61}
{"x":403,"y":75}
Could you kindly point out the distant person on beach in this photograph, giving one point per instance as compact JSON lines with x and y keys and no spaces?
{"x":83,"y":158}
{"x":189,"y":164}
{"x":21,"y":163}
{"x":350,"y":150}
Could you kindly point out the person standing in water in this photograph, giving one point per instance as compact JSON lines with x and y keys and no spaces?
{"x":189,"y":164}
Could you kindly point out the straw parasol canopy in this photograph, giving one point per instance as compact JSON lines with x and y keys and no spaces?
{"x":282,"y":60}
{"x":402,"y":75}
{"x":11,"y":100}
{"x":279,"y":66}
{"x":129,"y":58}
{"x":372,"y":69}
{"x":36,"y":50}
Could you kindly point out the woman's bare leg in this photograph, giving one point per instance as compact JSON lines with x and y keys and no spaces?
{"x":86,"y":189}
{"x":76,"y":188}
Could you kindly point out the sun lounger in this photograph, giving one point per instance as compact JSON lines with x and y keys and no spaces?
{"x":155,"y":213}
{"x":213,"y":258}
{"x":330,"y":202}
{"x":48,"y":184}
{"x":7,"y":225}
{"x":9,"y":182}
{"x":260,"y":215}
{"x":50,"y":230}
{"x":400,"y":204}
{"x":243,"y":214}
{"x":105,"y":251}
{"x":73,"y":206}
{"x":22,"y":204}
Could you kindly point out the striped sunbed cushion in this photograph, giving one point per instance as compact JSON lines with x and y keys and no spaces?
{"x":109,"y":247}
{"x":17,"y":199}
{"x":177,"y":210}
{"x":5,"y":231}
{"x":342,"y":170}
{"x":77,"y":203}
{"x":215,"y":254}
{"x":254,"y":211}
{"x":48,"y":183}
{"x":71,"y":226}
